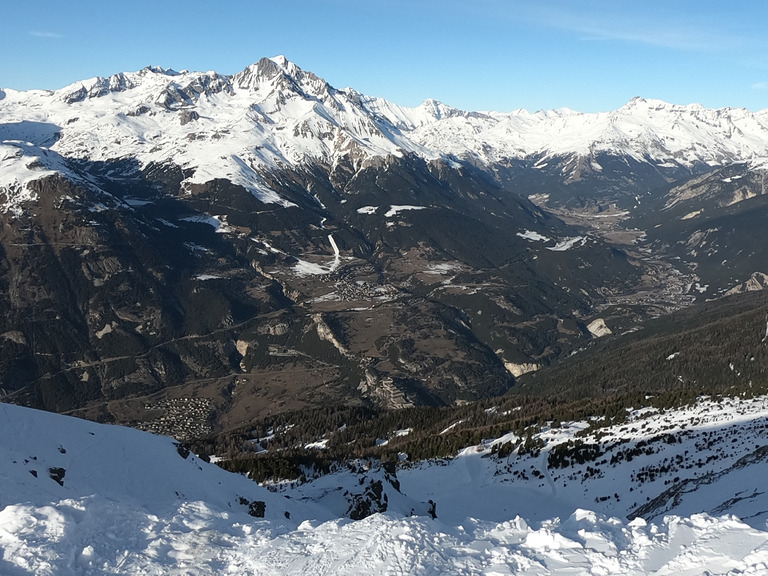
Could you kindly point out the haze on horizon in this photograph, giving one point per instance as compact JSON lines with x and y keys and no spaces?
{"x":588,"y":55}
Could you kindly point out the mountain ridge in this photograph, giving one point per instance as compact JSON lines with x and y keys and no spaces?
{"x":199,"y":230}
{"x":275,"y":98}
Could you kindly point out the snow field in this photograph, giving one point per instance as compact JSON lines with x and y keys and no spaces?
{"x":93,"y":536}
{"x":132,"y":503}
{"x":273,"y":115}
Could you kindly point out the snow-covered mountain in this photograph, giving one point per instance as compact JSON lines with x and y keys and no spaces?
{"x":270,"y":115}
{"x":188,"y":251}
{"x":154,"y":224}
{"x":646,"y":130}
{"x":84,"y":498}
{"x":274,"y":115}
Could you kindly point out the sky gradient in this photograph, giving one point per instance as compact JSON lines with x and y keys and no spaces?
{"x":589,"y":55}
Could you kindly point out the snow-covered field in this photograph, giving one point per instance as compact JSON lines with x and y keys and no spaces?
{"x":99,"y":536}
{"x":83,"y":498}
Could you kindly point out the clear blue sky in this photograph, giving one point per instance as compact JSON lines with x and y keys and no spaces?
{"x":589,"y":55}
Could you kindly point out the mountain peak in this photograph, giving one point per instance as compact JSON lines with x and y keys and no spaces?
{"x":95,"y":87}
{"x":282,"y":61}
{"x":266,"y":69}
{"x":646,"y":104}
{"x":157,"y":70}
{"x":281,"y":73}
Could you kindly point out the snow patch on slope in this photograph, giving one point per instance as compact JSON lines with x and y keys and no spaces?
{"x":394,"y":210}
{"x":305,"y":268}
{"x":533,"y":236}
{"x":567,"y":244}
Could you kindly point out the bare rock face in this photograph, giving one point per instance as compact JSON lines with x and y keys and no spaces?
{"x":187,"y":116}
{"x":598,"y":329}
{"x":518,"y":370}
{"x":757,"y":281}
{"x":15,"y":336}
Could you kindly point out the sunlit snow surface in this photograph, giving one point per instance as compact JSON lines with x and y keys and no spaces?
{"x":97,"y":536}
{"x":273,"y":116}
{"x":131,"y":504}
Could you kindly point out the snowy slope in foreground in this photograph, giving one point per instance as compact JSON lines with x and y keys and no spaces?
{"x":131,"y":504}
{"x":47,"y":458}
{"x":90,"y":537}
{"x":710,"y":457}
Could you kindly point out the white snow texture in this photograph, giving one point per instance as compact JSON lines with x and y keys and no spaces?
{"x":274,"y":115}
{"x":130,"y":503}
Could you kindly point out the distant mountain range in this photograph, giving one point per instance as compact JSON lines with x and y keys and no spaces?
{"x":274,"y":115}
{"x":221,"y":247}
